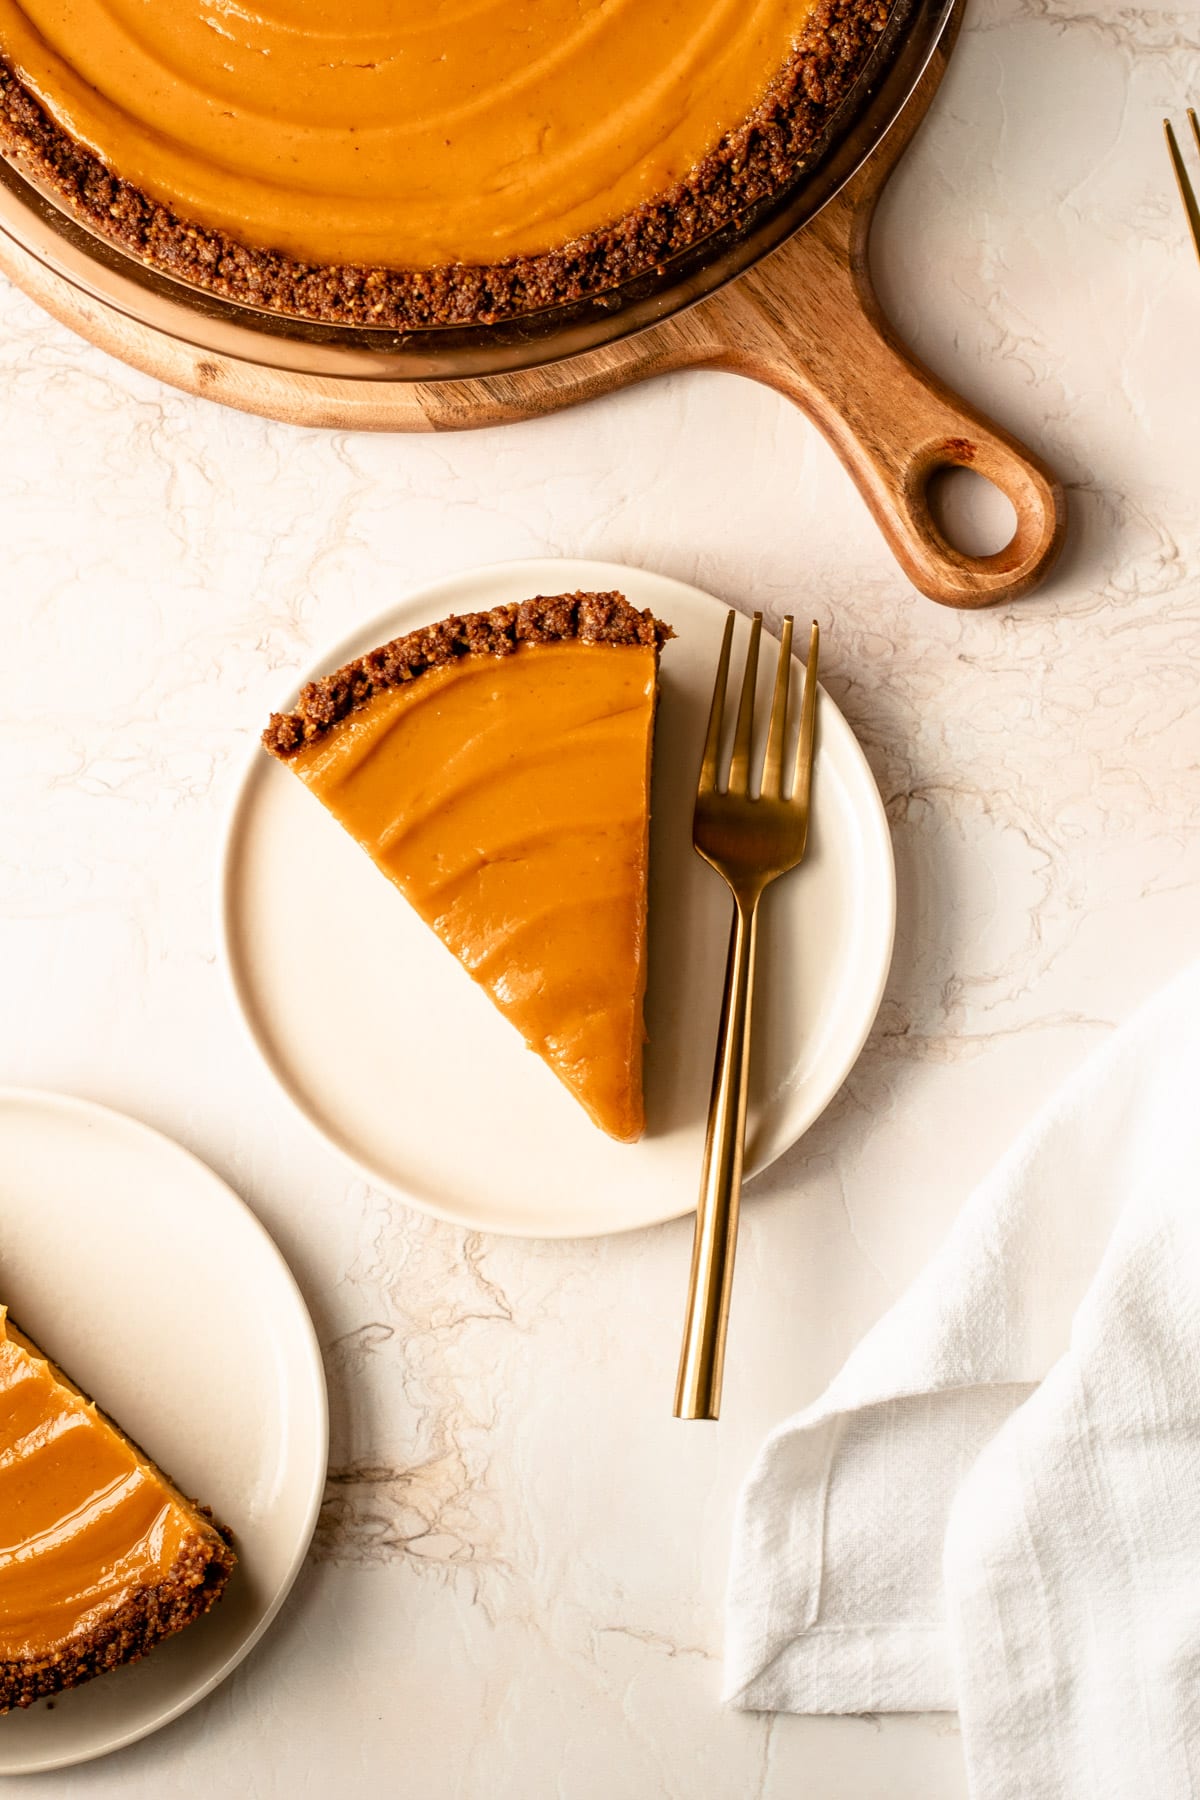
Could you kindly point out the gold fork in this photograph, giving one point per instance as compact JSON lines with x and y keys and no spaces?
{"x":1187,"y":192}
{"x":750,"y":842}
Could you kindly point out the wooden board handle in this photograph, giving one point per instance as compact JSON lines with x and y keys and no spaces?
{"x":806,"y":321}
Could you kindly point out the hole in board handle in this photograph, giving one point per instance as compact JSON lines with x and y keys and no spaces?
{"x":973,"y":515}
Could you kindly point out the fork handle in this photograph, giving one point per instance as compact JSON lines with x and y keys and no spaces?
{"x":702,"y":1358}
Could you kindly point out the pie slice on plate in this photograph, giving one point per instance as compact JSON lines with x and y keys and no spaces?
{"x":101,"y":1556}
{"x":496,"y":767}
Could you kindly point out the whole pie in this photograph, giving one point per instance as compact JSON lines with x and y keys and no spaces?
{"x":408,"y":163}
{"x":496,"y":767}
{"x":101,"y":1556}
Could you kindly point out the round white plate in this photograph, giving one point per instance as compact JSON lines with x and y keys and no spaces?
{"x":158,"y":1291}
{"x":387,"y":1048}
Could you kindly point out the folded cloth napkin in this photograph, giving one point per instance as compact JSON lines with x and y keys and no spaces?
{"x":995,"y":1507}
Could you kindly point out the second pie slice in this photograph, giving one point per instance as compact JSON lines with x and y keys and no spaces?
{"x":101,"y":1556}
{"x":496,"y":767}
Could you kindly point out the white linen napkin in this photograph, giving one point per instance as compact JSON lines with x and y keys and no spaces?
{"x":995,"y":1507}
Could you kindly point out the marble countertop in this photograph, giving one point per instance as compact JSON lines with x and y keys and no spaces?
{"x":516,"y":1585}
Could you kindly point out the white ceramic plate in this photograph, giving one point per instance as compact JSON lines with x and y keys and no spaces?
{"x":157,"y":1289}
{"x":392,"y":1053}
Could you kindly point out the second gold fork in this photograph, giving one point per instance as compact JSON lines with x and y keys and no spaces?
{"x":1183,"y":180}
{"x":750,"y":840}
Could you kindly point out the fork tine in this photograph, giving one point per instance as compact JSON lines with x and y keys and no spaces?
{"x":772,"y":780}
{"x":1182,"y":179}
{"x":739,"y":766}
{"x":802,"y":786}
{"x":716,"y":716}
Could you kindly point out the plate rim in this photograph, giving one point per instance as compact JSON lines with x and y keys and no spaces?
{"x":54,"y":1100}
{"x":608,"y":574}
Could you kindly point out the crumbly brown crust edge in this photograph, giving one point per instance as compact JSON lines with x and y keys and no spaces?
{"x":192,"y":1585}
{"x":546,"y":619}
{"x":749,"y":165}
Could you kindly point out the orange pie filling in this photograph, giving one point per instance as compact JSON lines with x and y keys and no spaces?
{"x":86,"y":1522}
{"x":388,"y":132}
{"x":507,"y":798}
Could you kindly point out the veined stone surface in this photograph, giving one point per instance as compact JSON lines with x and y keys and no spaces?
{"x":516,"y":1587}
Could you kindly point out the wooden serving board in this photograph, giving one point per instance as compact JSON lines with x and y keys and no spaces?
{"x":805,"y":320}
